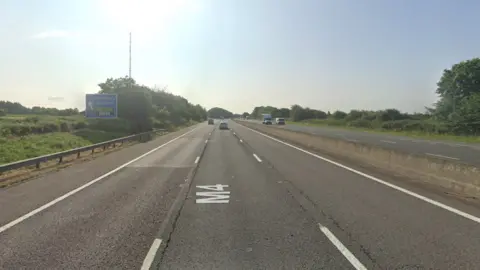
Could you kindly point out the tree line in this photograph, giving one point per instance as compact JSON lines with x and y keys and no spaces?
{"x":146,"y":108}
{"x":456,"y":112}
{"x":140,"y":109}
{"x":7,"y":107}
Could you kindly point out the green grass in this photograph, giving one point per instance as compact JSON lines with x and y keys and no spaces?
{"x":98,"y":136}
{"x":18,"y":148}
{"x":413,"y":134}
{"x":14,"y":147}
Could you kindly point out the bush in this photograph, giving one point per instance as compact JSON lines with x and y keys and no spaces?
{"x":50,"y":127}
{"x":109,"y":125}
{"x":32,"y":119}
{"x":361,"y":123}
{"x":64,"y":127}
{"x":80,"y":125}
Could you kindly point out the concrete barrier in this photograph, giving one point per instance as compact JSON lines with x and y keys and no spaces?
{"x":459,"y":178}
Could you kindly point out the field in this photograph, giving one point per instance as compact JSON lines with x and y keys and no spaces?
{"x":28,"y":136}
{"x":412,"y":133}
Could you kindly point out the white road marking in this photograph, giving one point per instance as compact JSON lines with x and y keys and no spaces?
{"x":241,"y":140}
{"x":385,"y":141}
{"x":257,"y":158}
{"x":147,"y":262}
{"x":197,"y":159}
{"x":217,"y":194}
{"x":406,"y":191}
{"x":47,"y":205}
{"x":459,"y":145}
{"x":234,"y":133}
{"x":345,"y":252}
{"x":441,"y":156}
{"x":206,"y":141}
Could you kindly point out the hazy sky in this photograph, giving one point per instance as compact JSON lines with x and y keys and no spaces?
{"x":237,"y":54}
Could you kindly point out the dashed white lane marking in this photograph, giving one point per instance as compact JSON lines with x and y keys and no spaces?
{"x":385,"y":141}
{"x":441,"y":156}
{"x":406,"y":191}
{"x":257,"y":158}
{"x":197,"y":159}
{"x":345,"y":252}
{"x":206,"y":141}
{"x":241,"y":140}
{"x":147,"y":262}
{"x":63,"y":197}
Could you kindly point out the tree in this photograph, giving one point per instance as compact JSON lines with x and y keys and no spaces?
{"x":296,"y":112}
{"x":338,"y":115}
{"x":146,"y":107}
{"x":458,"y":89}
{"x":112,"y":85}
{"x":245,"y":114}
{"x":217,"y":112}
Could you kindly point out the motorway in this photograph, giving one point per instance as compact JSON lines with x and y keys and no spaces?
{"x":204,"y":198}
{"x":463,"y":152}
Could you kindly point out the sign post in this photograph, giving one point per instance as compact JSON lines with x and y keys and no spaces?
{"x":101,"y":106}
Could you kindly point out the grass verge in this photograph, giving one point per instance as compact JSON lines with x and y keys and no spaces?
{"x":413,"y":134}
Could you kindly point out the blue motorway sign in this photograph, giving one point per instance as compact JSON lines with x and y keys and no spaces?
{"x":101,"y":106}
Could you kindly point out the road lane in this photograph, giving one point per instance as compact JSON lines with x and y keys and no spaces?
{"x":468,"y":153}
{"x":20,"y":199}
{"x":395,"y":230}
{"x":110,"y":224}
{"x":256,"y":225}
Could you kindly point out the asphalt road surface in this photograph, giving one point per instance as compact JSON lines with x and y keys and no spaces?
{"x":464,"y":152}
{"x":229,"y":199}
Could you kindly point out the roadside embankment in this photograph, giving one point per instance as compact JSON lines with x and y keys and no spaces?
{"x":454,"y":176}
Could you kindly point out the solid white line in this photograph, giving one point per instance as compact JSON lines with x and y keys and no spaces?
{"x":147,"y":262}
{"x":47,"y":205}
{"x":345,"y":252}
{"x":197,"y":159}
{"x":406,"y":191}
{"x":440,"y":156}
{"x":258,"y":159}
{"x":385,"y":141}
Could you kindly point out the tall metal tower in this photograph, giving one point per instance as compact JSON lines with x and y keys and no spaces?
{"x":130,"y":57}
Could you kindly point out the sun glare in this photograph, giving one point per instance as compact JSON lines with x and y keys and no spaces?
{"x":144,"y":15}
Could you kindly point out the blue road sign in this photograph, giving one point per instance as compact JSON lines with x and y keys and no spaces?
{"x":101,"y":106}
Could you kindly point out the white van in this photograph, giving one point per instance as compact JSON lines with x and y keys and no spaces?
{"x":280,"y":121}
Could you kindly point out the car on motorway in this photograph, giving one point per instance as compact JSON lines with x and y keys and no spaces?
{"x":223,"y":125}
{"x":210,"y":121}
{"x":280,"y":121}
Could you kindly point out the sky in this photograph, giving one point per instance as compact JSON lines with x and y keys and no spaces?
{"x":237,"y":54}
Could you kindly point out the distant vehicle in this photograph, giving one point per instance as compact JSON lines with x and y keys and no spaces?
{"x":267,"y":119}
{"x":280,"y":121}
{"x":210,"y":121}
{"x":223,"y":125}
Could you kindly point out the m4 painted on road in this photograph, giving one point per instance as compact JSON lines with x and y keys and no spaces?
{"x":215,"y":194}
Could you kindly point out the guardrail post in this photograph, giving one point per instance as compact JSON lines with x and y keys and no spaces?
{"x":60,"y":160}
{"x":78,"y":154}
{"x":104,"y":147}
{"x":93,"y":151}
{"x":37,"y":165}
